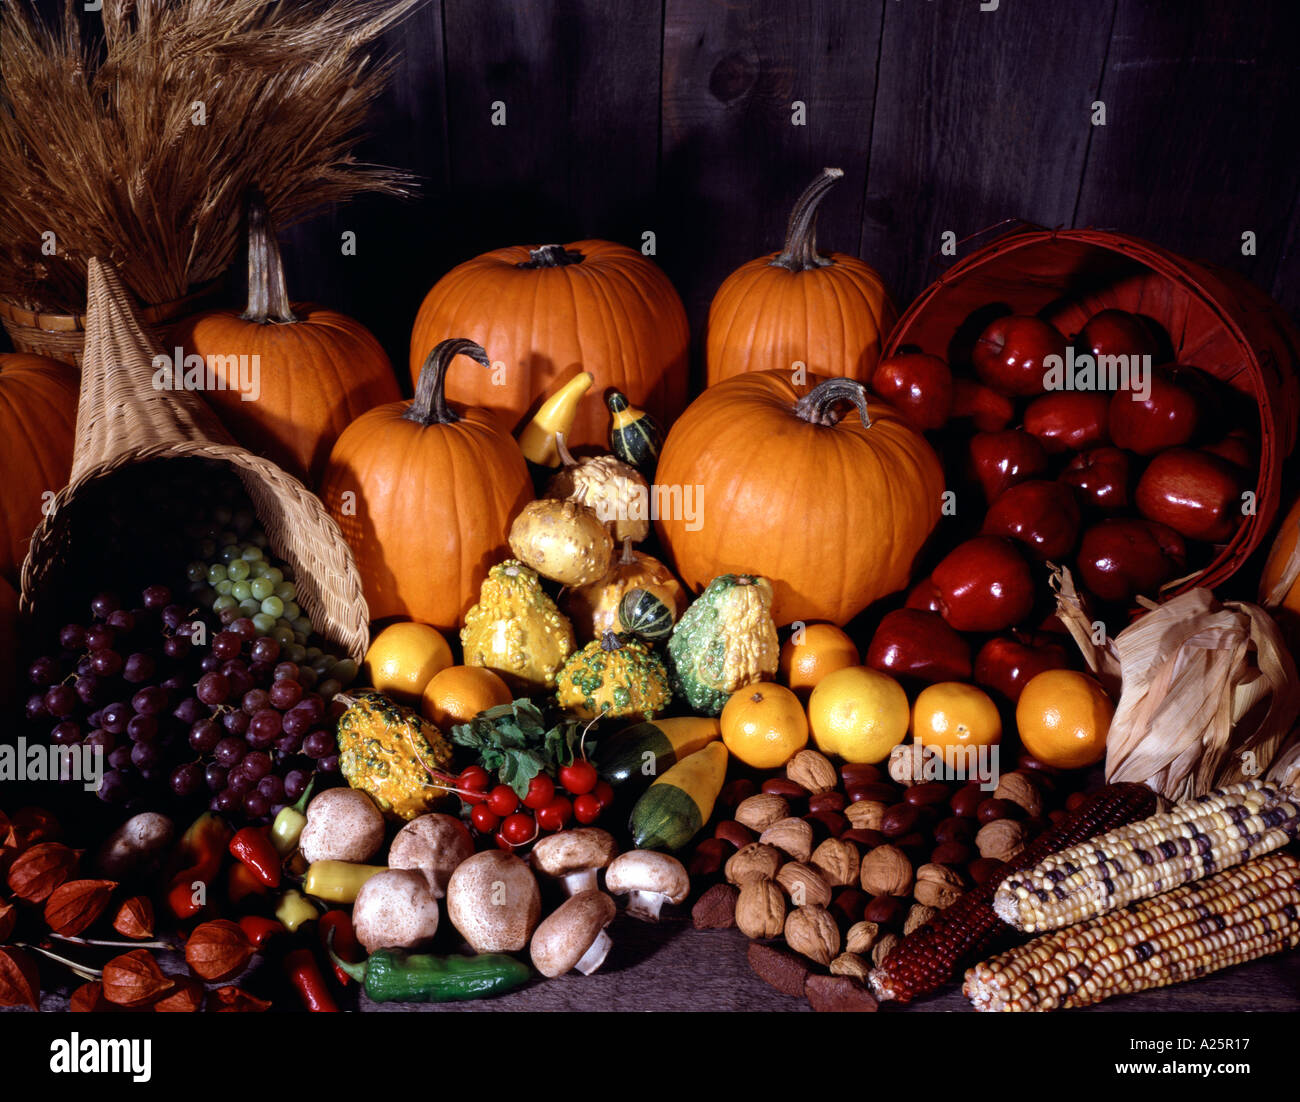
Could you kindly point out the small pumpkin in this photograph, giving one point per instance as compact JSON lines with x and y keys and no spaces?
{"x":596,"y":304}
{"x":386,"y":750}
{"x":562,"y":540}
{"x":832,"y":508}
{"x":318,"y":370}
{"x":613,"y":677}
{"x":634,"y":436}
{"x":642,"y":613}
{"x":725,"y":640}
{"x":38,"y":419}
{"x":515,"y":629}
{"x":828,"y":311}
{"x":594,"y":609}
{"x":423,"y":494}
{"x":618,"y":493}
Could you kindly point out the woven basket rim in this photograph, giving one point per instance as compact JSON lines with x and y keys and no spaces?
{"x":68,"y":324}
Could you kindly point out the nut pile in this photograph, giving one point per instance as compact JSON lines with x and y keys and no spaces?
{"x":840,"y":864}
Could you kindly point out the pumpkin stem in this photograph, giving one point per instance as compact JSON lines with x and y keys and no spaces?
{"x":817,"y":407}
{"x":800,"y":252}
{"x":268,"y":298}
{"x":429,"y":407}
{"x":627,"y":559}
{"x":551,"y":256}
{"x":562,"y":449}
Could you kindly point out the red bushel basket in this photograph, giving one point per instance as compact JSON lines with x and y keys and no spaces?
{"x":1216,"y":320}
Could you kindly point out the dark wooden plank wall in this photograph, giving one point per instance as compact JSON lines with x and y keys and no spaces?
{"x":676,"y":117}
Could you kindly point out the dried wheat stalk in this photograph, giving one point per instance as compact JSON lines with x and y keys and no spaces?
{"x":99,"y":144}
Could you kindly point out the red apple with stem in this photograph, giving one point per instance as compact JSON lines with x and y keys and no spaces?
{"x":1069,"y":420}
{"x":1196,"y":494}
{"x":1008,"y":355}
{"x":1001,"y":459}
{"x":1102,"y":477}
{"x":1042,"y":515}
{"x":1120,"y":558}
{"x":913,"y":643}
{"x":918,"y":385}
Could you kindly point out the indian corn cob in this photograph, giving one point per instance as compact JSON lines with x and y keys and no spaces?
{"x":1232,"y":917}
{"x":1200,"y":836}
{"x":930,"y":956}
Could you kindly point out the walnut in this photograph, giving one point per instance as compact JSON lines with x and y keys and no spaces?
{"x":1001,"y":839}
{"x":1019,"y":789}
{"x":812,"y":932}
{"x":812,"y":771}
{"x":918,"y":916}
{"x":866,"y":814}
{"x":937,"y":886}
{"x":760,"y":910}
{"x":883,"y":948}
{"x":792,"y":836}
{"x":755,"y":861}
{"x":837,"y":861}
{"x":761,"y":811}
{"x":803,"y":884}
{"x":850,"y":964}
{"x":862,"y":936}
{"x":886,"y":871}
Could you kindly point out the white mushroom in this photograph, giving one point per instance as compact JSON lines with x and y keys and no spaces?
{"x":649,"y":879}
{"x":343,"y":824}
{"x":137,"y":846}
{"x":574,"y":857}
{"x":574,"y":936}
{"x":434,"y":844}
{"x":494,"y":901}
{"x":395,"y":910}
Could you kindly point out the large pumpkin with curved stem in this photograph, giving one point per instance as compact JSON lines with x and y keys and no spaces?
{"x":317,"y":370}
{"x":425,"y":495}
{"x":552,"y":312}
{"x":38,"y":419}
{"x":830,"y":312}
{"x":831,"y":506}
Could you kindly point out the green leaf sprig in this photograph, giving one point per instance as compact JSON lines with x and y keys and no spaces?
{"x":515,"y":742}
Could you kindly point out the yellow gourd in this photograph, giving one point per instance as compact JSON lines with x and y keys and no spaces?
{"x":617,"y":492}
{"x":516,"y":630}
{"x":562,"y":540}
{"x":556,"y":415}
{"x":614,"y":677}
{"x":593,"y":609}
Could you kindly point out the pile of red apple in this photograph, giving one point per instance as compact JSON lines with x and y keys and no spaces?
{"x":1130,"y":492}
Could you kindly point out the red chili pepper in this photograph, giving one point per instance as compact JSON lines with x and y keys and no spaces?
{"x":259,"y":929}
{"x":200,"y":851}
{"x":345,"y":939}
{"x":253,"y":846}
{"x":308,"y":981}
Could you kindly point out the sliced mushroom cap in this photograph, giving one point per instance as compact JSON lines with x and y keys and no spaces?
{"x":494,"y":901}
{"x":648,"y":879}
{"x":574,"y":936}
{"x":433,"y":844}
{"x":575,"y":856}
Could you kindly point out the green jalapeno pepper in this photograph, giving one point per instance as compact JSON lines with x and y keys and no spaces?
{"x":390,"y":975}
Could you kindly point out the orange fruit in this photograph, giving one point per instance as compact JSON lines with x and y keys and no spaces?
{"x":458,"y":693}
{"x":1063,"y":718}
{"x":954,"y":714}
{"x":404,"y":657}
{"x":764,"y":725}
{"x":812,"y":652}
{"x":858,"y":713}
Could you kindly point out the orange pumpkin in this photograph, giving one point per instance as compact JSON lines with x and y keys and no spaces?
{"x":552,"y":312}
{"x":433,"y":492}
{"x":1279,"y":588}
{"x":317,"y":370}
{"x":833,"y":509}
{"x":829,"y":312}
{"x":38,"y":419}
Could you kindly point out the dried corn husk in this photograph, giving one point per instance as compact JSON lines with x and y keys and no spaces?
{"x":1207,"y":692}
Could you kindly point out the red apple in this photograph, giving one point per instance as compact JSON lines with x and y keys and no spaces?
{"x":988,"y":410}
{"x":1117,"y":333}
{"x":1009,"y":354}
{"x":983,"y":584}
{"x":1042,"y":515}
{"x":922,"y":597}
{"x":1196,"y":494}
{"x":1006,"y":665}
{"x":1238,"y":447}
{"x":1069,"y":420}
{"x":1165,"y":418}
{"x":919,"y":644}
{"x":1001,"y":459}
{"x":918,"y":385}
{"x":1102,"y":475}
{"x":1120,"y":558}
